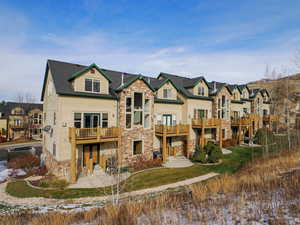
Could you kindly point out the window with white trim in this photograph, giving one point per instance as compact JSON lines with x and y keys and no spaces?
{"x":201,"y":91}
{"x":128,"y":112}
{"x":167,"y":93}
{"x":138,"y":109}
{"x":147,"y":113}
{"x":92,"y":85}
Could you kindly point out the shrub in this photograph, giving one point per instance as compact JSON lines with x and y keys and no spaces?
{"x":26,"y":162}
{"x":141,"y":163}
{"x":199,"y":155}
{"x":214,"y":153}
{"x":52,"y":182}
{"x":263,"y":136}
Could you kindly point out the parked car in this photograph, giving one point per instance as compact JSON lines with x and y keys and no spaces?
{"x":15,"y":152}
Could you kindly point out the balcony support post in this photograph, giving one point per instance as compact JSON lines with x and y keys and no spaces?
{"x":220,"y":135}
{"x":98,"y":133}
{"x":202,"y":132}
{"x":73,"y":165}
{"x":164,"y":149}
{"x":239,"y":134}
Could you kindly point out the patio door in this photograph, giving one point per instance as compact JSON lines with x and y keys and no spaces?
{"x":91,"y":120}
{"x":167,"y":119}
{"x":91,"y":152}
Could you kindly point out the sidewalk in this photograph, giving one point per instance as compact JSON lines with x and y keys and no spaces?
{"x":31,"y":143}
{"x":10,"y":200}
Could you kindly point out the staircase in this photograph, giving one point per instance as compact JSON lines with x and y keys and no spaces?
{"x":177,"y":162}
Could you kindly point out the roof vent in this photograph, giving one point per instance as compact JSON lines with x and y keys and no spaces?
{"x":122,"y":81}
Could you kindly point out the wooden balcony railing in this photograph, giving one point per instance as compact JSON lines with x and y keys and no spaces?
{"x":206,"y":122}
{"x":16,"y":126}
{"x":172,"y":130}
{"x":97,"y":133}
{"x":253,"y":116}
{"x":244,"y":121}
{"x":270,"y":118}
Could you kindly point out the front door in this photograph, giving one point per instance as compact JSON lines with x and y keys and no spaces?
{"x":167,"y":119}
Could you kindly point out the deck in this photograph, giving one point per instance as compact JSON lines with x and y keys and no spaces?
{"x":94,"y":135}
{"x":169,"y":131}
{"x":206,"y":122}
{"x":235,"y":122}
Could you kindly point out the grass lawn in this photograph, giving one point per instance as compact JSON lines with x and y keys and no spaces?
{"x":151,"y":178}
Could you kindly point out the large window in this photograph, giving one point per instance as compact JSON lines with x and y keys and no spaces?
{"x":92,"y":85}
{"x":167,"y":93}
{"x":90,"y":120}
{"x":137,"y":147}
{"x":147,"y":113}
{"x":128,"y":113}
{"x":200,"y":113}
{"x":138,"y":109}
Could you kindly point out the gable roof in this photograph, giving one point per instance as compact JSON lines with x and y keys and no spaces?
{"x":232,"y":87}
{"x":133,"y":79}
{"x":180,"y":83}
{"x":254,"y":92}
{"x":216,"y":87}
{"x":80,"y":72}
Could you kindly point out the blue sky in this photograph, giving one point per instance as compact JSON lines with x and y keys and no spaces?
{"x":230,"y":41}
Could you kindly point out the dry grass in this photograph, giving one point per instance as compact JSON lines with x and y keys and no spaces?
{"x":267,"y":187}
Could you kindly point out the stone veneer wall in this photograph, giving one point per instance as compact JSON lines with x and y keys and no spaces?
{"x":60,"y":169}
{"x":135,"y":132}
{"x":226,"y":124}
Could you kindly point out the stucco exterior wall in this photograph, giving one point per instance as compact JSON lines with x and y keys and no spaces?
{"x":167,"y":85}
{"x":200,"y":84}
{"x":79,"y":82}
{"x":67,"y":106}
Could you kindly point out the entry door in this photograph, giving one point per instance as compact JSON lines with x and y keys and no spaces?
{"x":91,"y":120}
{"x":167,"y":119}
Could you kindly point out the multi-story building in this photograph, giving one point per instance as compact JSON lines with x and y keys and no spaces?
{"x":93,"y":116}
{"x":20,"y":120}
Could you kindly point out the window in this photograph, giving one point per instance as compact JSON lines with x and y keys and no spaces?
{"x":105,"y":120}
{"x":128,"y":113}
{"x":138,"y":109}
{"x":92,"y":85}
{"x":54,"y":118}
{"x":223,"y":134}
{"x":17,"y":122}
{"x":88,"y":84}
{"x":35,"y":118}
{"x":167,"y":93}
{"x":201,"y":91}
{"x":223,"y":100}
{"x":96,"y":86}
{"x":200,"y":113}
{"x":245,"y":110}
{"x":77,"y":120}
{"x":54,"y":149}
{"x":40,"y":118}
{"x":137,"y":147}
{"x":147,"y":113}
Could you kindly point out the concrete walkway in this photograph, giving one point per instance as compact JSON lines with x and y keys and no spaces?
{"x":10,"y":200}
{"x":226,"y":151}
{"x":98,"y":179}
{"x":177,"y":162}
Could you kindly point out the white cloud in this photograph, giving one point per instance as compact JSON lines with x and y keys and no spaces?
{"x":22,"y":70}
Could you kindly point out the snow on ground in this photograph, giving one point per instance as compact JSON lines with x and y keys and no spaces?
{"x":5,"y":173}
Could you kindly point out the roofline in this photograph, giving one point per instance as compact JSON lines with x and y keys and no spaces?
{"x":138,"y":77}
{"x":165,"y":81}
{"x":80,"y":72}
{"x":168,"y":101}
{"x":87,"y":95}
{"x":197,"y":82}
{"x":45,"y":80}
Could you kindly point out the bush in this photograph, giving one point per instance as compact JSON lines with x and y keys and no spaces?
{"x":51,"y":182}
{"x":215,"y":154}
{"x":141,"y":163}
{"x":199,"y":156}
{"x":263,"y":136}
{"x":26,"y":162}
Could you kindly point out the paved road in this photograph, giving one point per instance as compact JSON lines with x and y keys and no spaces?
{"x":4,"y":148}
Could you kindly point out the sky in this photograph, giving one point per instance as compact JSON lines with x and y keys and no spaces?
{"x":231,"y":41}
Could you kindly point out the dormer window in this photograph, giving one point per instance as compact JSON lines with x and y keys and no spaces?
{"x":92,"y":85}
{"x":167,"y":93}
{"x":201,"y":91}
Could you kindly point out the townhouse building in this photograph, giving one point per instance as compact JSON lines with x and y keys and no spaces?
{"x":94,"y":117}
{"x":20,"y":119}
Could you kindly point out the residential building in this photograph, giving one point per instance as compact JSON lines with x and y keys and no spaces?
{"x":94,"y":117}
{"x":20,"y":120}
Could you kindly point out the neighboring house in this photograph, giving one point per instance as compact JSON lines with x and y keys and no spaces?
{"x":20,"y":120}
{"x":94,"y":117}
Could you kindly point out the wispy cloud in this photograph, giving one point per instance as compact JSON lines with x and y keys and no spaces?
{"x":22,"y":68}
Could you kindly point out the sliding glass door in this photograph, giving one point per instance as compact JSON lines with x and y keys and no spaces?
{"x":91,"y":120}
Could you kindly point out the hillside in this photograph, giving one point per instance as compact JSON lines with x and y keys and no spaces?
{"x":294,"y":83}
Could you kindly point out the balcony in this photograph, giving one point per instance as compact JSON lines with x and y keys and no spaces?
{"x":17,"y":126}
{"x":176,"y":130}
{"x":94,"y":135}
{"x":253,"y":116}
{"x":244,"y":121}
{"x":206,"y":122}
{"x":270,"y":118}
